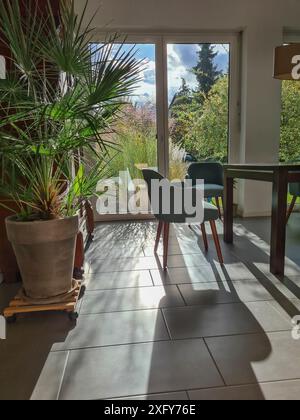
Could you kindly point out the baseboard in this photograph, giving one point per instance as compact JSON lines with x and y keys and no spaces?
{"x":249,"y":214}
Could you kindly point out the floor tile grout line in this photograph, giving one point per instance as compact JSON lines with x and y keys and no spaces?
{"x":182,"y":296}
{"x":174,"y":340}
{"x":240,"y":385}
{"x":150,"y":286}
{"x":136,"y":343}
{"x":181,"y":307}
{"x":166,"y":324}
{"x":214,"y":361}
{"x":152,"y":279}
{"x":131,"y":310}
{"x":63,"y":375}
{"x":149,"y":395}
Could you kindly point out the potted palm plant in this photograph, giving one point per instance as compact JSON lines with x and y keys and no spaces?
{"x":59,"y":101}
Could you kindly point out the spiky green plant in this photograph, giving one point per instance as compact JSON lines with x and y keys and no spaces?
{"x":59,"y":101}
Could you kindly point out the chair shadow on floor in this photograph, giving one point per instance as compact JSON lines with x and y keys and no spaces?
{"x":238,"y":379}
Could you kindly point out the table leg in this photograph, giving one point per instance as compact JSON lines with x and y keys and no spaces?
{"x":278,"y":230}
{"x":228,"y":209}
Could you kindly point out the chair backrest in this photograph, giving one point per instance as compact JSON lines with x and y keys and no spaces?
{"x":172,"y":215}
{"x":294,"y":189}
{"x":149,"y":175}
{"x":210,"y":172}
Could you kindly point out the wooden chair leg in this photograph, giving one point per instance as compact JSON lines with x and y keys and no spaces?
{"x":291,"y":208}
{"x":166,"y":245}
{"x":219,"y":207}
{"x":158,"y":235}
{"x":204,"y":236}
{"x":217,"y":241}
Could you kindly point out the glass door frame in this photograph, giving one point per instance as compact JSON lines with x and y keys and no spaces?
{"x":161,"y":41}
{"x":234,"y":86}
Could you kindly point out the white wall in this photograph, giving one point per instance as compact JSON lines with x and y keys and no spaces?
{"x":262,"y":23}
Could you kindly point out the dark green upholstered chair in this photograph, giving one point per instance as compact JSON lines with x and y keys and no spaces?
{"x":294,"y":190}
{"x":210,"y":215}
{"x":213,"y":175}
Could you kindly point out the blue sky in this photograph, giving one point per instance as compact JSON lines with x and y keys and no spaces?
{"x":181,"y":59}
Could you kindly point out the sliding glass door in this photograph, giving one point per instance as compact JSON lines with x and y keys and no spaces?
{"x":184,"y":109}
{"x":198,"y":101}
{"x":134,"y":137}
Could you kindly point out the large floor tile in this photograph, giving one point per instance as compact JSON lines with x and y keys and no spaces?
{"x":174,"y":249}
{"x":287,"y":308}
{"x":288,"y":285}
{"x":223,"y":292}
{"x":117,"y":232}
{"x":226,"y":319}
{"x":184,"y":275}
{"x":139,"y":369}
{"x":283,"y":390}
{"x":115,"y":328}
{"x":190,"y":260}
{"x":204,"y":273}
{"x":118,"y":280}
{"x":250,"y":248}
{"x":116,"y":251}
{"x":131,"y":299}
{"x":234,"y":271}
{"x":255,"y":358}
{"x":122,"y":264}
{"x":50,"y":380}
{"x":292,"y":269}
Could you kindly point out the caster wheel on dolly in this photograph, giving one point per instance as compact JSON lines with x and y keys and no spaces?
{"x":12,"y":319}
{"x":73,"y":316}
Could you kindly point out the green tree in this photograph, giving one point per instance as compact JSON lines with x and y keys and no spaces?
{"x":183,"y":96}
{"x":208,"y":134}
{"x":205,"y":70}
{"x":181,"y":113}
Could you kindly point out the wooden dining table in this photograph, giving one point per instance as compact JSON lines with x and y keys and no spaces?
{"x":280,"y":175}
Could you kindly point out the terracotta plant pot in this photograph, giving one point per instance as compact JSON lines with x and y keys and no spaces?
{"x":45,"y":252}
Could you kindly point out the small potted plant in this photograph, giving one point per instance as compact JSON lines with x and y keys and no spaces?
{"x":61,"y":96}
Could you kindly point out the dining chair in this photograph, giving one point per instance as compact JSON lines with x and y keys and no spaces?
{"x":294,"y":190}
{"x":164,"y":220}
{"x":212,"y":174}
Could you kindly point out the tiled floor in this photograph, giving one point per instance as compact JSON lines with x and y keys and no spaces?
{"x":199,"y":331}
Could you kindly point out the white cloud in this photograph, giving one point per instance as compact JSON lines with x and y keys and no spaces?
{"x":180,"y":62}
{"x":177,"y":70}
{"x":146,"y":90}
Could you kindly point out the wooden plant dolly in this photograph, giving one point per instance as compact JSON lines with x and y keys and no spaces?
{"x":20,"y":305}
